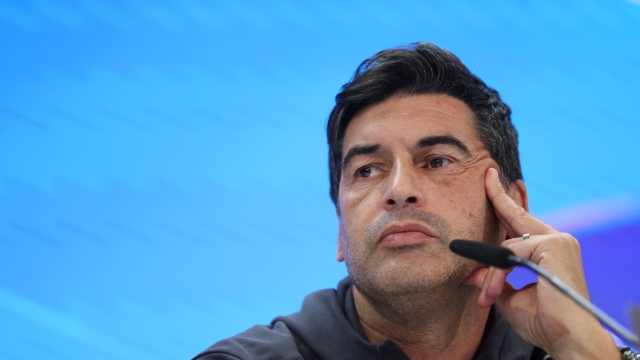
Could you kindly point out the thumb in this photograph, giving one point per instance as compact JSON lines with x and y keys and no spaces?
{"x":477,"y":278}
{"x":503,"y":300}
{"x":516,"y":303}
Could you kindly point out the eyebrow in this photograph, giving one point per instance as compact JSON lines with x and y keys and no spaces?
{"x":358,"y":150}
{"x":443,"y":140}
{"x":424,"y":142}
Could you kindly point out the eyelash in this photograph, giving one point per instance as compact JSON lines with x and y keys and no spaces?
{"x":369,"y":166}
{"x":429,"y":160}
{"x":358,"y":172}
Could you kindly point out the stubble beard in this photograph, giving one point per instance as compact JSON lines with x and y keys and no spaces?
{"x":425,"y":291}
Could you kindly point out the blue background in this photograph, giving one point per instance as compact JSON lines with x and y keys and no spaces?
{"x":163,"y":177}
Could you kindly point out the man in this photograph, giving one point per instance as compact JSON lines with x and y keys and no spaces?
{"x":422,"y":152}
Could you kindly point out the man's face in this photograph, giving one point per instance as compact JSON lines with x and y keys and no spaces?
{"x":412,"y":181}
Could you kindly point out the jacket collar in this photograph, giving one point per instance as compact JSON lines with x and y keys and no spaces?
{"x":328,"y":325}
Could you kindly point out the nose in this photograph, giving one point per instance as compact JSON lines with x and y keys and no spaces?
{"x":403,"y":187}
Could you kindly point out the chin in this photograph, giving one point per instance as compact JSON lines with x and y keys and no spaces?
{"x":405,"y":278}
{"x":399,"y":277}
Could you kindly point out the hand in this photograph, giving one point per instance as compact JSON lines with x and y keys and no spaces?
{"x":539,"y":313}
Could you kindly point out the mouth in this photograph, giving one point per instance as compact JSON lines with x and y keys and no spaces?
{"x":406,"y":235}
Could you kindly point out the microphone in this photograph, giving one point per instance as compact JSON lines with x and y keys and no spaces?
{"x":488,"y":254}
{"x":494,"y":255}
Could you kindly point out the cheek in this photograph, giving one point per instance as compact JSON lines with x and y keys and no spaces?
{"x":353,"y":211}
{"x":464,"y":194}
{"x":358,"y":201}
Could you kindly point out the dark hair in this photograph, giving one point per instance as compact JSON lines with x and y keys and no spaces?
{"x":423,"y":68}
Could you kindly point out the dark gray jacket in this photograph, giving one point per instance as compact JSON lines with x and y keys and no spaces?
{"x":327,"y":327}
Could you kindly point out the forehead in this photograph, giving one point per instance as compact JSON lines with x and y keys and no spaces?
{"x":404,"y":120}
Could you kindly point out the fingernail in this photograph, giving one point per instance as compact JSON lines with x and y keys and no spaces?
{"x":492,"y":172}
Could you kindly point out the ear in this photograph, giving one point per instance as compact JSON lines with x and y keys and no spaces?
{"x":339,"y":254}
{"x":518,"y":192}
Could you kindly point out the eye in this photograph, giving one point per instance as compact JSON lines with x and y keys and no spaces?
{"x":367,"y":171}
{"x":438,"y":162}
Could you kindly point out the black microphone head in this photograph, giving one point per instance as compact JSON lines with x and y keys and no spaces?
{"x":489,"y":254}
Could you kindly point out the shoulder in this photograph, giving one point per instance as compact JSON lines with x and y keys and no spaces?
{"x":259,"y":342}
{"x":317,"y":330}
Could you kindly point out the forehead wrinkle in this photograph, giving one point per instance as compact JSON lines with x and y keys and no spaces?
{"x":392,"y":118}
{"x":441,"y":114}
{"x":442,"y":100}
{"x":407,"y":116}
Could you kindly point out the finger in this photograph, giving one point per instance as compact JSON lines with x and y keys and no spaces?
{"x":516,"y":240}
{"x":558,"y":245}
{"x":502,"y":301}
{"x":492,"y":286}
{"x":558,"y":253}
{"x":529,"y":249}
{"x":477,"y":278}
{"x":513,"y":217}
{"x":522,"y":248}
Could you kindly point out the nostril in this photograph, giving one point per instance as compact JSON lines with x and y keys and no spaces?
{"x":390,"y":202}
{"x":411,"y":199}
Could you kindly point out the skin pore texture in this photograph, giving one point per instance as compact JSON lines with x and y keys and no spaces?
{"x":415,"y":182}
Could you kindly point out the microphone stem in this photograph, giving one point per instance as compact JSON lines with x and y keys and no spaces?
{"x":560,"y":285}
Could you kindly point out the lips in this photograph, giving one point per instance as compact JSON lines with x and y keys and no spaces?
{"x":406,"y":235}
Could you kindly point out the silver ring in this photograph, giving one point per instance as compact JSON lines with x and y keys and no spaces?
{"x":526,"y":236}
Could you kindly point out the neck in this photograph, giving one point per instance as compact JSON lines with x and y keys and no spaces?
{"x":427,"y":327}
